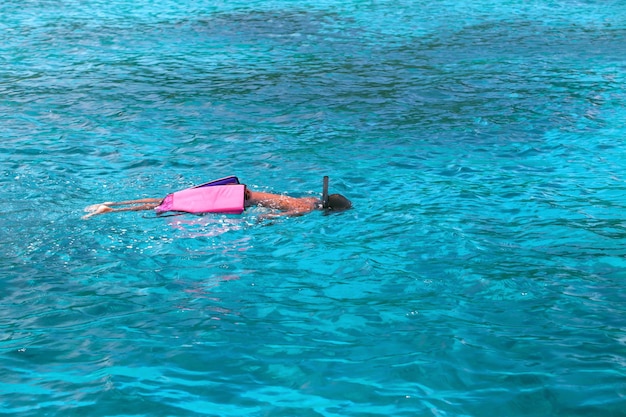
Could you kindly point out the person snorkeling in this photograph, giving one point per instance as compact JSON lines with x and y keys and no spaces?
{"x":212,"y":197}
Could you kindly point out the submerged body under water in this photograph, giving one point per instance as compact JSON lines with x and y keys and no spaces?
{"x":481,"y":270}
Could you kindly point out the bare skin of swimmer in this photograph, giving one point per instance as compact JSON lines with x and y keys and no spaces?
{"x":288,"y":206}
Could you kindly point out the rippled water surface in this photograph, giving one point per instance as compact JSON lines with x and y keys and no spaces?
{"x":480,"y":273}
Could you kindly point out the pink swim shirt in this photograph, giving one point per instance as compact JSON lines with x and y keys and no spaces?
{"x":228,"y":199}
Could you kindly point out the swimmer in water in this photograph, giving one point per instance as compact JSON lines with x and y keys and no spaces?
{"x":284,"y":205}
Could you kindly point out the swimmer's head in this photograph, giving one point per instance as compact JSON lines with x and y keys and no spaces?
{"x":337,"y":202}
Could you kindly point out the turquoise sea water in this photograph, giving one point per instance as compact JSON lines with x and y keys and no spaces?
{"x":480,"y":273}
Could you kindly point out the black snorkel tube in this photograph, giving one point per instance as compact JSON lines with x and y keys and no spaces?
{"x":325,"y":193}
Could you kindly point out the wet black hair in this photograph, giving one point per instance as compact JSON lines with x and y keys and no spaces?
{"x":337,"y":202}
{"x":334,"y":202}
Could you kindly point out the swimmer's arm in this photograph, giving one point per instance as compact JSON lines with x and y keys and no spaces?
{"x":288,"y":213}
